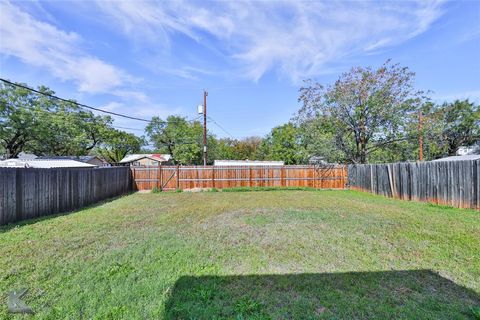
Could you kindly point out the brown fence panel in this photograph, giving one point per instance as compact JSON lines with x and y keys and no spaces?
{"x":454,"y":183}
{"x":189,"y":177}
{"x":27,"y":193}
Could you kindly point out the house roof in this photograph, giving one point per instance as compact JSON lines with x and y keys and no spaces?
{"x":247,"y":163}
{"x":460,"y":158}
{"x":26,"y":156}
{"x":44,"y":163}
{"x":152,"y":156}
{"x":76,"y":158}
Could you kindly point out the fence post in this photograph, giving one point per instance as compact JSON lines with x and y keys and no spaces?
{"x":314,"y":177}
{"x":159,"y":184}
{"x":178,"y":177}
{"x":250,"y":176}
{"x":213,"y":176}
{"x":160,"y":172}
{"x":133,"y":178}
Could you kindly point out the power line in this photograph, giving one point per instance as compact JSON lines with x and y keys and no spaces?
{"x":83,"y":105}
{"x":228,"y":133}
{"x":70,"y":101}
{"x":126,"y":128}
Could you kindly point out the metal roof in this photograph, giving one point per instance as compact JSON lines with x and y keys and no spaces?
{"x":44,"y":163}
{"x":153,"y":156}
{"x":247,"y":163}
{"x":76,"y":158}
{"x":460,"y":158}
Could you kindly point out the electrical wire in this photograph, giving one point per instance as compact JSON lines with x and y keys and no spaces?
{"x":83,"y":105}
{"x":228,"y":133}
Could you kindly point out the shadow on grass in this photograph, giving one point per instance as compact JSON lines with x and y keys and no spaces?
{"x":416,"y":294}
{"x":13,"y":225}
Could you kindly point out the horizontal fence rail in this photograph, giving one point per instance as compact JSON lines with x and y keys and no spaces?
{"x":27,"y":193}
{"x":453,"y":183}
{"x":190,"y":177}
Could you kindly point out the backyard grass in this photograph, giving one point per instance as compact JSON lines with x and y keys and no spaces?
{"x":247,"y":255}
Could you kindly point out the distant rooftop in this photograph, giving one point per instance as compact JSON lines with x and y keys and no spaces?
{"x":247,"y":163}
{"x":76,"y":158}
{"x":460,"y":158}
{"x":43,"y":163}
{"x":153,"y":156}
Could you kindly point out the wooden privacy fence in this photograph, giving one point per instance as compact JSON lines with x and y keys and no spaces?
{"x":453,"y":183}
{"x":29,"y":193}
{"x":189,"y":177}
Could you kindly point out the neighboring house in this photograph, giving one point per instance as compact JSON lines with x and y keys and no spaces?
{"x":147,"y":159}
{"x":460,"y":158}
{"x":26,"y":156}
{"x":96,"y":161}
{"x":247,"y":163}
{"x":44,"y":163}
{"x":465,"y":150}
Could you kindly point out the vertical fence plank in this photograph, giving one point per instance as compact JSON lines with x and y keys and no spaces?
{"x":455,"y":183}
{"x":28,"y":193}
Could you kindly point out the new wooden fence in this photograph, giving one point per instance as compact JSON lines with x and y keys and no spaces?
{"x":29,"y":193}
{"x":453,"y":183}
{"x":189,"y":177}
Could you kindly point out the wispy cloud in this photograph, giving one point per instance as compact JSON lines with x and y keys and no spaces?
{"x":473,"y":95}
{"x":296,"y":39}
{"x":44,"y":45}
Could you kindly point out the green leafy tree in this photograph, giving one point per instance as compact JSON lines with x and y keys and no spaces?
{"x":69,"y":130}
{"x":225,"y":149}
{"x":248,"y":148}
{"x":179,"y":138}
{"x":445,"y":128}
{"x":117,"y":144}
{"x":282,"y":143}
{"x":368,"y":109}
{"x":461,"y":125}
{"x":317,"y":139}
{"x":19,"y":124}
{"x":44,"y":125}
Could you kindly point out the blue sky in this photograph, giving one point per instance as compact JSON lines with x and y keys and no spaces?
{"x":155,"y":58}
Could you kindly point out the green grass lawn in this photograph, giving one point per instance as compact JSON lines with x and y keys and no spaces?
{"x":247,"y":255}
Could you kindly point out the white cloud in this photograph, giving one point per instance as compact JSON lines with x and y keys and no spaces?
{"x":297,"y":39}
{"x":473,"y":96}
{"x":43,"y":45}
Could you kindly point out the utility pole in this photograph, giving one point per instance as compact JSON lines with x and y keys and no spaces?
{"x":205,"y":94}
{"x":420,"y":136}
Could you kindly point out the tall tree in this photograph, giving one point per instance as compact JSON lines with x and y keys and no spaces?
{"x":19,"y":123}
{"x":179,"y":138}
{"x":117,"y":144}
{"x":282,"y":143}
{"x":368,"y":108}
{"x":46,"y":126}
{"x":68,"y":130}
{"x":225,"y":149}
{"x":317,"y":140}
{"x":461,"y":125}
{"x":248,"y":148}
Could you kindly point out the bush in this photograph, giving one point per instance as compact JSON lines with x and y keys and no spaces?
{"x":156,"y":190}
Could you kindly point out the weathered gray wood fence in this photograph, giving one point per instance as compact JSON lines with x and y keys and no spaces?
{"x":27,"y":193}
{"x":453,"y":183}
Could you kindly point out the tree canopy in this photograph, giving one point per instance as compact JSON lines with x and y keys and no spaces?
{"x":46,"y":126}
{"x":366,"y":115}
{"x":368,"y":108}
